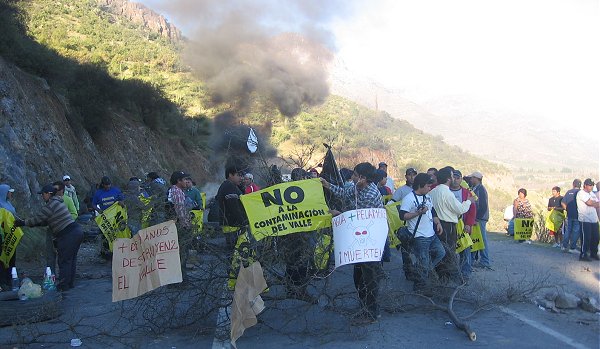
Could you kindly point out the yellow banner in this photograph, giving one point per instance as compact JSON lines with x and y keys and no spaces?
{"x":197,"y":221}
{"x":113,"y":224}
{"x":322,"y":251}
{"x":555,"y":220}
{"x":477,"y":238}
{"x":394,"y":222}
{"x":12,"y":236}
{"x":287,"y":208}
{"x":464,"y":239}
{"x":523,"y":228}
{"x":146,"y":212}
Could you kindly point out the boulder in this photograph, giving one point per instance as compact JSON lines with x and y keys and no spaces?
{"x":590,"y":304}
{"x":551,"y":296}
{"x":566,"y":300}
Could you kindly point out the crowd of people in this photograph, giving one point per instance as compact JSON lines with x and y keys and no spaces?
{"x":437,"y":206}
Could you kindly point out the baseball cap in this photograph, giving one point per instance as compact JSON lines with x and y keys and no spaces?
{"x":382,"y":164}
{"x":456,"y":173}
{"x":105,"y":180}
{"x":48,"y":188}
{"x":177,"y":175}
{"x":66,"y":178}
{"x":410,"y":170}
{"x":249,"y":175}
{"x":476,"y":174}
{"x":588,"y":181}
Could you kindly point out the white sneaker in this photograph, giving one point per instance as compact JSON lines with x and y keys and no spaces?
{"x":556,"y":245}
{"x":574,"y":251}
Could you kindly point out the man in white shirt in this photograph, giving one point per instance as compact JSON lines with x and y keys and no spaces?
{"x":416,"y":210}
{"x":587,"y":203}
{"x":448,"y":209}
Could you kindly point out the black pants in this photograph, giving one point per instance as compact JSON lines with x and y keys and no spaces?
{"x":366,"y":281}
{"x":589,"y":241}
{"x":6,"y":273}
{"x":68,"y":241}
{"x":449,"y":266}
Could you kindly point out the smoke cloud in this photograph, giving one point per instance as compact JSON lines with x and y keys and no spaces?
{"x":278,"y":49}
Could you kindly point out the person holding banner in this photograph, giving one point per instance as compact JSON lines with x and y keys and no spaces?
{"x":482,"y":216}
{"x":66,"y":231}
{"x":417,"y":210}
{"x":522,"y":207}
{"x":587,"y":203}
{"x":556,"y":216}
{"x":468,"y":220}
{"x":364,"y":194}
{"x":6,"y":193}
{"x":231,"y":212}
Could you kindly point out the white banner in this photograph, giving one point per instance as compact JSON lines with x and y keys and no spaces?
{"x":359,"y":236}
{"x":148,"y":260}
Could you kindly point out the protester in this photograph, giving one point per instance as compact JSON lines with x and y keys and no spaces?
{"x":155,"y":185}
{"x":482,"y":257}
{"x":232,"y":216}
{"x":60,"y":190}
{"x":135,"y":206}
{"x":448,"y":208}
{"x":106,"y":195}
{"x":193,"y":195}
{"x":461,"y":194}
{"x":522,"y":207}
{"x":6,"y":193}
{"x":71,"y":191}
{"x":420,"y":218}
{"x":407,"y":188}
{"x":572,"y":227}
{"x":556,"y":216}
{"x":177,"y":199}
{"x":380,"y":178}
{"x":432,"y":171}
{"x":363,"y":194}
{"x":389,"y":181}
{"x":251,"y":187}
{"x":66,"y":231}
{"x":587,"y":204}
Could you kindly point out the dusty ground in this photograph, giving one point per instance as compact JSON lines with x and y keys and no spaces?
{"x":90,"y":315}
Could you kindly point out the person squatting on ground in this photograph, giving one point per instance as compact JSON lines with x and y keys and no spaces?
{"x":482,"y":257}
{"x":417,"y":210}
{"x":556,"y":216}
{"x":66,"y":231}
{"x":587,"y":203}
{"x":364,"y":194}
{"x":572,"y":227}
{"x":6,"y":193}
{"x":448,"y":209}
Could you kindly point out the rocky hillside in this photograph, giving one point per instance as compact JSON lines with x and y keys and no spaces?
{"x":38,"y":144}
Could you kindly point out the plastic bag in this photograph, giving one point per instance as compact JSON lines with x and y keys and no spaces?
{"x":29,"y":290}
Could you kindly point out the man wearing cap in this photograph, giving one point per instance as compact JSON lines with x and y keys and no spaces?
{"x":106,"y":195}
{"x":70,"y":191}
{"x":6,"y":193}
{"x":401,"y":192}
{"x":65,"y":230}
{"x":573,"y":227}
{"x":389,"y":182}
{"x":251,"y":187}
{"x":587,"y":203}
{"x":483,"y":215}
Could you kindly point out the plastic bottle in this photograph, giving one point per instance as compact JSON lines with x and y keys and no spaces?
{"x":49,"y":281}
{"x":15,"y":279}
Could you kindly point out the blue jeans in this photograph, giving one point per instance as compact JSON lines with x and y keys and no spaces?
{"x":466,"y":262}
{"x":429,"y":252}
{"x":484,"y":255}
{"x":572,"y":232}
{"x":511,"y":227}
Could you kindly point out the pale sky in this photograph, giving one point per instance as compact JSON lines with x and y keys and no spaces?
{"x":530,"y":56}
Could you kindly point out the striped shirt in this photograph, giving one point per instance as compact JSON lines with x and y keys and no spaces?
{"x":54,"y":214}
{"x":367,"y":197}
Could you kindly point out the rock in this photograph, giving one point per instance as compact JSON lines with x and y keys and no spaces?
{"x":590,"y":304}
{"x":566,"y":300}
{"x":551,"y":296}
{"x":548,"y":304}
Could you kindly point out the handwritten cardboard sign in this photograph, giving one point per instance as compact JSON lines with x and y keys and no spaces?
{"x":359,"y":236}
{"x":148,"y":260}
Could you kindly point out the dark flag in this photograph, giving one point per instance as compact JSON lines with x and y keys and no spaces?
{"x":331,"y":173}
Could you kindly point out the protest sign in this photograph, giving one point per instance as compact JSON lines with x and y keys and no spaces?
{"x":523,"y":228}
{"x":359,"y":236}
{"x":394,"y":222}
{"x":463,"y":239}
{"x":477,"y":238}
{"x":554,"y":220}
{"x":148,"y":260}
{"x":11,"y":236}
{"x":113,"y":223}
{"x":286,"y":208}
{"x":197,"y":219}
